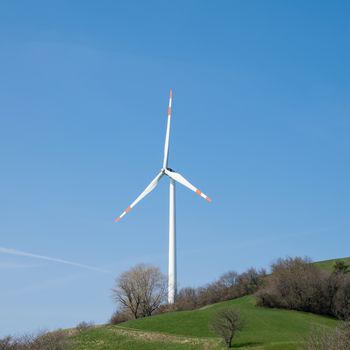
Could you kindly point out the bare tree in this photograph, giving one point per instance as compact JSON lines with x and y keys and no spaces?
{"x":226,"y":324}
{"x":229,"y":279}
{"x":141,"y":290}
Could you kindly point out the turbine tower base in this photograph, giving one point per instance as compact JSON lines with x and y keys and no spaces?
{"x":172,"y":244}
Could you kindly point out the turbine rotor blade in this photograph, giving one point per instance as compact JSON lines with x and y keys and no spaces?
{"x":179,"y":178}
{"x":147,"y":191}
{"x":167,"y":135}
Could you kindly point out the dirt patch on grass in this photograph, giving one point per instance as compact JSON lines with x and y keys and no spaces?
{"x":206,"y":344}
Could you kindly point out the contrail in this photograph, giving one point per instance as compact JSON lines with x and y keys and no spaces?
{"x":42,"y":257}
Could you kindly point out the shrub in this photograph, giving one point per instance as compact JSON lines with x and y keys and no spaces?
{"x":57,"y":340}
{"x":341,"y":304}
{"x":83,"y":326}
{"x":322,"y":339}
{"x":341,"y":266}
{"x":120,"y":316}
{"x":186,"y":299}
{"x":296,"y":284}
{"x":6,"y":343}
{"x":250,"y":281}
{"x":210,"y":294}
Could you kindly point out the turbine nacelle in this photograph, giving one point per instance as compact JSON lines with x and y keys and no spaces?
{"x":163,"y":170}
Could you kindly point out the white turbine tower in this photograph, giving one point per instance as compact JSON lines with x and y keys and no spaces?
{"x":174,"y":176}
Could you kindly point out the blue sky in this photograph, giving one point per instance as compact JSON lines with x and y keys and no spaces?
{"x":260,"y":123}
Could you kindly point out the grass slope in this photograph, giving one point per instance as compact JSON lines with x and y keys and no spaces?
{"x":268,"y":329}
{"x":328,"y":264}
{"x":114,"y":338}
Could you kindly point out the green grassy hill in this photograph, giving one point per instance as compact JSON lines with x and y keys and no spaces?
{"x":328,"y":264}
{"x":265,"y":329}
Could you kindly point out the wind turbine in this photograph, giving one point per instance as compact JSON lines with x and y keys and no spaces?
{"x":173,"y":176}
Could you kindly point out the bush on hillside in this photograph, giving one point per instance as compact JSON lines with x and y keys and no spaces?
{"x":210,"y":294}
{"x":341,"y":266}
{"x":187,"y":299}
{"x":297,"y":284}
{"x":250,"y":281}
{"x":84,"y":326}
{"x":230,"y":285}
{"x":323,"y":339}
{"x":120,"y":316}
{"x":57,"y":340}
{"x":341,"y":303}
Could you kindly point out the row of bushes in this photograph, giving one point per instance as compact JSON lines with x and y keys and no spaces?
{"x":230,"y":285}
{"x":297,"y":284}
{"x":294,"y":283}
{"x":57,"y":340}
